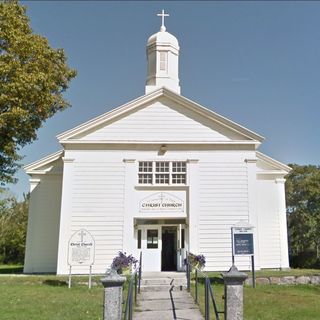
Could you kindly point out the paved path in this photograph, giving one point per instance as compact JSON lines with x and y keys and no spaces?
{"x":164,"y":296}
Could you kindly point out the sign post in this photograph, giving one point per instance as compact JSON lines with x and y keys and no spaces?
{"x":81,"y":252}
{"x":242,"y":244}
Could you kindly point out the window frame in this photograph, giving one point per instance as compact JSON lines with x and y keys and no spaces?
{"x":163,"y":173}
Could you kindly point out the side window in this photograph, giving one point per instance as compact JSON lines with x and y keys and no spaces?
{"x":182,"y":238}
{"x":139,"y":239}
{"x":152,"y":239}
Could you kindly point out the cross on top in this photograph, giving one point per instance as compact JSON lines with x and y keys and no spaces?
{"x":82,"y":234}
{"x":162,"y":15}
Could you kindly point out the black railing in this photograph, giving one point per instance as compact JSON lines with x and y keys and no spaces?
{"x":133,"y":289}
{"x":208,"y":291}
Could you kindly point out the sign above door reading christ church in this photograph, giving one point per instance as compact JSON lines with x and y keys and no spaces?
{"x":162,"y":201}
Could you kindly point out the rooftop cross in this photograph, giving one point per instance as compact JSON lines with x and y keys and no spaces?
{"x":162,"y":15}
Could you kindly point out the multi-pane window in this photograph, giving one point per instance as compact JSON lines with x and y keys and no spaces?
{"x":145,"y":172}
{"x":152,"y":239}
{"x":162,"y":172}
{"x":162,"y":175}
{"x":179,"y":170}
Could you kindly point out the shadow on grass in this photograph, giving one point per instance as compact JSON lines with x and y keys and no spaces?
{"x":55,"y":283}
{"x":11,"y":270}
{"x":213,"y":280}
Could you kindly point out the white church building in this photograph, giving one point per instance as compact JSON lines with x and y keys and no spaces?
{"x":161,"y":175}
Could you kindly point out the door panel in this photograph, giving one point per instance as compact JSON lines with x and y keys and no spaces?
{"x":151,"y":248}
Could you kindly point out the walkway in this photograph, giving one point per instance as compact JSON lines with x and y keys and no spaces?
{"x":164,"y":297}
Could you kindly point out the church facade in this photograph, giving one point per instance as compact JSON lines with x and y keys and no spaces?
{"x":161,"y":175}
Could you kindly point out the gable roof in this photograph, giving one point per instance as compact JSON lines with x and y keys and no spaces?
{"x":70,"y":136}
{"x":270,"y":165}
{"x":42,"y":166}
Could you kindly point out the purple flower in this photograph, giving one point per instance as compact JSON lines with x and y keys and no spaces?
{"x":122,"y":261}
{"x":197,"y":260}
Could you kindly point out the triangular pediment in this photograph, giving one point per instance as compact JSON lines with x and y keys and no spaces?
{"x":161,"y":116}
{"x":268,"y":165}
{"x":52,"y":164}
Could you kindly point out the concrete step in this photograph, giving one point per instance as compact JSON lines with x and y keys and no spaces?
{"x":162,"y":274}
{"x":161,"y":287}
{"x":187,"y":314}
{"x":160,"y":281}
{"x":166,"y":304}
{"x":164,"y":295}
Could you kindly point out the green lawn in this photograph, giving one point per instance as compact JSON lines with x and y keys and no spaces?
{"x":48,"y":298}
{"x":36,"y":298}
{"x":272,"y":302}
{"x":275,"y":273}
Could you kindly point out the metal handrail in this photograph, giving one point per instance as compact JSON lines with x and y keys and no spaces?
{"x":135,"y":282}
{"x":208,"y":291}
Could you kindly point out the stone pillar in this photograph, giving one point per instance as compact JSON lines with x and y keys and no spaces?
{"x":112,"y":306}
{"x":233,"y":293}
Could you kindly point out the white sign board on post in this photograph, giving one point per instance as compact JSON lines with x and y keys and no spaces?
{"x":81,"y":251}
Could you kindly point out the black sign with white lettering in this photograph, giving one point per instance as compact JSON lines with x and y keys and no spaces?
{"x":243,"y":243}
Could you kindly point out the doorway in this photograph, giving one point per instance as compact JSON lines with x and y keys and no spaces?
{"x":169,"y":249}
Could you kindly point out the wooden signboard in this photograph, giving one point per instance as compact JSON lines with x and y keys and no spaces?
{"x":81,"y":252}
{"x":243,"y":243}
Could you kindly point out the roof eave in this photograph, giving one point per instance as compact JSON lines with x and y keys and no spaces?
{"x":149,"y":97}
{"x":273,"y":162}
{"x":32,"y":168}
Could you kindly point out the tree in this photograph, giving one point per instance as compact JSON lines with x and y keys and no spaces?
{"x":13,"y":229}
{"x":33,"y":77}
{"x":303,"y":209}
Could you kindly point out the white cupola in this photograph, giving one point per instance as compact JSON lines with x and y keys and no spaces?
{"x":163,"y":60}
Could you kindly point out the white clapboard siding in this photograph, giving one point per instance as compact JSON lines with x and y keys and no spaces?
{"x":223,"y":200}
{"x":98,"y":206}
{"x":43,"y":226}
{"x":159,"y":122}
{"x":269,"y":228}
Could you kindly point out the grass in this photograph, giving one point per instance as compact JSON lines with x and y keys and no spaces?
{"x":48,"y":298}
{"x":282,"y":273}
{"x":274,"y":273}
{"x":272,"y":302}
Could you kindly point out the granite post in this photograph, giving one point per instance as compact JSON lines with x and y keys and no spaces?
{"x":112,"y":306}
{"x":233,"y":293}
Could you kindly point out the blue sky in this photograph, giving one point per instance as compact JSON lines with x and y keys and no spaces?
{"x":256,"y":63}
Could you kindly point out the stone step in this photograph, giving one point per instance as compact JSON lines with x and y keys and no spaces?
{"x":160,"y":281}
{"x":187,"y":314}
{"x":166,"y":304}
{"x":163,"y":274}
{"x":163,"y":295}
{"x":161,"y":287}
